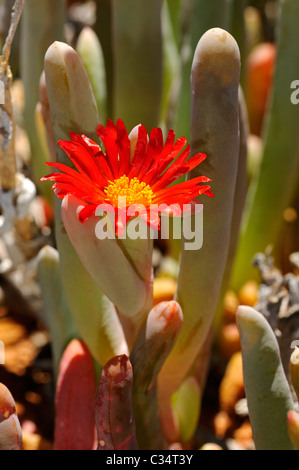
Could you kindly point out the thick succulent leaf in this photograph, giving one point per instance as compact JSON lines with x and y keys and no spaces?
{"x":186,"y":406}
{"x":137,"y":83}
{"x":72,"y":102}
{"x":267,"y":390}
{"x":10,"y":429}
{"x":74,"y":419}
{"x":57,"y":314}
{"x":114,"y":413}
{"x":73,"y":108}
{"x":112,"y":263}
{"x":200,"y":15}
{"x":150,"y":351}
{"x":239,"y":203}
{"x":214,"y":88}
{"x":42,"y":23}
{"x":90,"y":51}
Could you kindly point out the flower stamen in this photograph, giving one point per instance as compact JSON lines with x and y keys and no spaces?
{"x":136,"y":192}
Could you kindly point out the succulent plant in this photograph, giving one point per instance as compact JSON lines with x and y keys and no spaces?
{"x":267,"y":390}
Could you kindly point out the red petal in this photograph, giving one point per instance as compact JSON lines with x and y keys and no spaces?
{"x":88,"y":194}
{"x":140,"y":152}
{"x":177,"y":148}
{"x":186,"y":185}
{"x":173,"y":172}
{"x":209,"y":193}
{"x":168,"y":147}
{"x":90,"y":144}
{"x":67,"y":171}
{"x":82,"y":158}
{"x":163,"y":160}
{"x":80,"y":182}
{"x":106,"y":169}
{"x":86,"y":212}
{"x":154,"y":149}
{"x":124,"y":148}
{"x":183,"y":193}
{"x":196,"y":160}
{"x":109,"y":138}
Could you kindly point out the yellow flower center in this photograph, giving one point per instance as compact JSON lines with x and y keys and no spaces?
{"x":136,"y":192}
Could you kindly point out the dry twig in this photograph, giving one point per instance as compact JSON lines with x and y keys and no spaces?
{"x":7,"y":148}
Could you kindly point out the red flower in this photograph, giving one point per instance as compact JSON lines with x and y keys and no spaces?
{"x":101,"y":177}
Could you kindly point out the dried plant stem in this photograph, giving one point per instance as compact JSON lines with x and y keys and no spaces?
{"x":294,"y":369}
{"x":15,"y":18}
{"x":7,"y":148}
